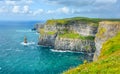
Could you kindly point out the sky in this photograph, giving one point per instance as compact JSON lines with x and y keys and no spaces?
{"x":57,"y":9}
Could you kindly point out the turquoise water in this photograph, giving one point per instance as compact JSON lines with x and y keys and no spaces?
{"x":15,"y":58}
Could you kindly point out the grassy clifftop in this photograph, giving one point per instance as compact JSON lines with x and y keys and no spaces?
{"x":67,"y":21}
{"x":108,"y":63}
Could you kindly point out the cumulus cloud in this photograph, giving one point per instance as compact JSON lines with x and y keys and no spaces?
{"x":58,"y":7}
{"x":63,"y":10}
{"x":39,"y":11}
{"x":26,"y":9}
{"x":16,"y":9}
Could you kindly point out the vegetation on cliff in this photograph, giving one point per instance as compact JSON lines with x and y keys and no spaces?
{"x":69,"y":21}
{"x":73,"y":35}
{"x":108,"y":62}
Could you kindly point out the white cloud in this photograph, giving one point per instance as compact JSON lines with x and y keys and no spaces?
{"x":16,"y":9}
{"x":26,"y":9}
{"x":39,"y":11}
{"x":64,"y":10}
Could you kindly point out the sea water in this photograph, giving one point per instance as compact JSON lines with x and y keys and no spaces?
{"x":18,"y":58}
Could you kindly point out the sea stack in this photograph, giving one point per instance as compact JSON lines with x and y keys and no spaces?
{"x":25,"y":39}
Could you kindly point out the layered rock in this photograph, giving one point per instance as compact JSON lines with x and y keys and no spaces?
{"x":61,"y":35}
{"x":67,"y":44}
{"x":106,"y":30}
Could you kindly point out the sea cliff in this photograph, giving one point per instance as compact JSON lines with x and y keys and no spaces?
{"x":107,"y":54}
{"x":98,"y":36}
{"x":73,"y":34}
{"x":106,"y":30}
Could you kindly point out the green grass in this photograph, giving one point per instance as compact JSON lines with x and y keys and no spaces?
{"x":108,"y":62}
{"x":111,"y":46}
{"x":41,"y":30}
{"x":69,"y":21}
{"x":101,"y":32}
{"x":51,"y":32}
{"x":73,"y":35}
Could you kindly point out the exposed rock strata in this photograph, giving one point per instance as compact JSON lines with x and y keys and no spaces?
{"x":60,"y":43}
{"x":106,"y":30}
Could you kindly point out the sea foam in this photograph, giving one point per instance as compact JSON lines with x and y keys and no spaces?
{"x":29,"y":43}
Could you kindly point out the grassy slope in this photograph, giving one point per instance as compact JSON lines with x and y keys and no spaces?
{"x":76,"y":36}
{"x":66,"y":21}
{"x":108,"y":63}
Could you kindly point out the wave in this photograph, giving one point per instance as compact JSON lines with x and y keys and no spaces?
{"x":24,"y":30}
{"x":53,"y":50}
{"x":29,"y":43}
{"x":59,"y":50}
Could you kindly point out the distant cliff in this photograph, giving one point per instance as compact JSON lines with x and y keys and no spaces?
{"x":73,"y":34}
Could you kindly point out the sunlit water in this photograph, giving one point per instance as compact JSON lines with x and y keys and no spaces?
{"x":17,"y":58}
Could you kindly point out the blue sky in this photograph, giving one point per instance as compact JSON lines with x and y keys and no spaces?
{"x":51,"y":9}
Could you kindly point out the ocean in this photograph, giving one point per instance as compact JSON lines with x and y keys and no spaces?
{"x":16,"y":58}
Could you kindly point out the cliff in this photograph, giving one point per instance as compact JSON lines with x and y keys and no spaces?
{"x":106,"y":31}
{"x":107,"y":54}
{"x":72,"y":34}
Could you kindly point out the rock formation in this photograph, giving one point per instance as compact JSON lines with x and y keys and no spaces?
{"x":106,"y":30}
{"x":69,"y":34}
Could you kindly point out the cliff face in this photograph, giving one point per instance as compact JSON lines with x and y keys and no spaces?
{"x":47,"y":40}
{"x":106,"y":31}
{"x":107,"y":54}
{"x":72,"y":36}
{"x":68,"y":44}
{"x":108,"y":62}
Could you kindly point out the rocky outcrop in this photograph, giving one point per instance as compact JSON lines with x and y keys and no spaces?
{"x":67,"y":44}
{"x":47,"y":40}
{"x":37,"y":27}
{"x":106,"y":31}
{"x":58,"y":35}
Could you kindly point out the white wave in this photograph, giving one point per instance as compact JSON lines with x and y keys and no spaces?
{"x":29,"y":43}
{"x":59,"y":50}
{"x":53,"y":50}
{"x":24,"y":30}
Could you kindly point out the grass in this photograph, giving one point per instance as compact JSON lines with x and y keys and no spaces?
{"x":108,"y":62}
{"x":41,"y":30}
{"x":101,"y":32}
{"x":111,"y":46}
{"x":51,"y":32}
{"x":69,"y":21}
{"x":73,"y":35}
